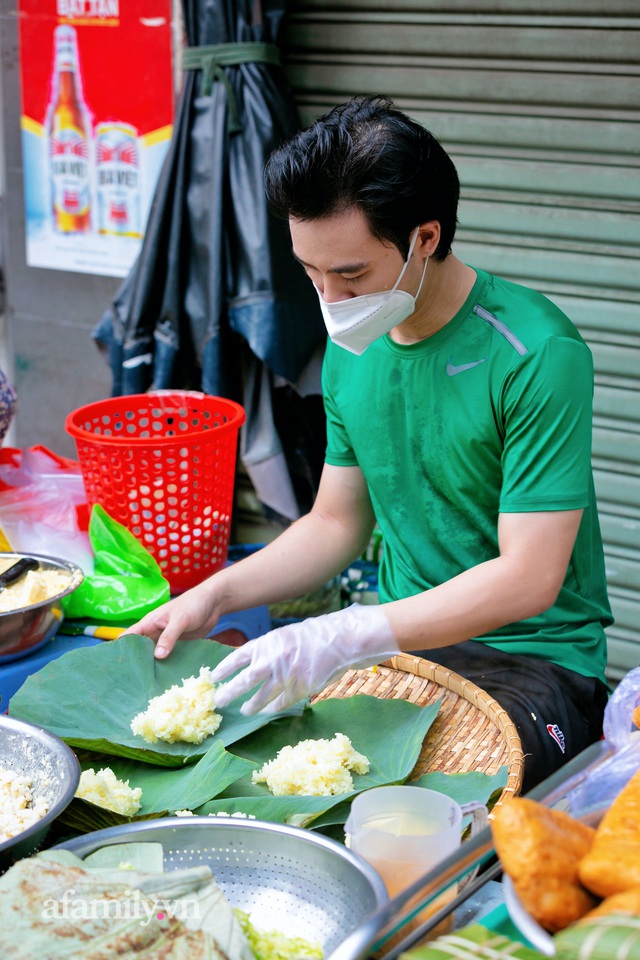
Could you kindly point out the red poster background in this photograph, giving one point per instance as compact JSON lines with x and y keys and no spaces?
{"x":125,"y":59}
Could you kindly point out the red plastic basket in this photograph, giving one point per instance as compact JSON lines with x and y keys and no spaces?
{"x":163,"y":465}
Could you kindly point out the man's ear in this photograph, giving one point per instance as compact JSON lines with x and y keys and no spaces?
{"x":428,"y":237}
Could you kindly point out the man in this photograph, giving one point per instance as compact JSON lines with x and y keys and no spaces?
{"x":459,"y":417}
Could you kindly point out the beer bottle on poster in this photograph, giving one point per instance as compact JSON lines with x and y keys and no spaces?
{"x":68,"y":126}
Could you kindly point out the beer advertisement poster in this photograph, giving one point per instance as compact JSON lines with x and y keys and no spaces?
{"x":97,"y":109}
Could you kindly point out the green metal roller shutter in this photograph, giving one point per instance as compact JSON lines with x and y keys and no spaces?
{"x":539,"y":104}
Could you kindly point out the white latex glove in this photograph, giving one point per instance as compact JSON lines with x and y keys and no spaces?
{"x":295,"y":661}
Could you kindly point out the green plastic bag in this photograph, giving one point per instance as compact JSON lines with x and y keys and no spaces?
{"x":127,"y":581}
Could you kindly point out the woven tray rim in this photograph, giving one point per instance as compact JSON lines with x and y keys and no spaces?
{"x":480,"y":699}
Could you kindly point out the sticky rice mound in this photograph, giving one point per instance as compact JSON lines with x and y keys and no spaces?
{"x":184,"y":713}
{"x":318,"y":768}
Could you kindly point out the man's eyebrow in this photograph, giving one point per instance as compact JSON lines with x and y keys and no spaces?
{"x":343,"y":268}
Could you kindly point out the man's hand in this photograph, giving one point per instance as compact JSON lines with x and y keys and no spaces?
{"x":295,"y":661}
{"x":190,"y":616}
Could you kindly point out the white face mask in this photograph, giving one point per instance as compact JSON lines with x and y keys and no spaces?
{"x":355,"y":323}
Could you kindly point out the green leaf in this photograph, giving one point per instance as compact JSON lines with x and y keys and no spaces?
{"x":461,"y":787}
{"x":294,"y":811}
{"x":163,"y":790}
{"x":84,"y":817}
{"x":64,"y":857}
{"x":474,"y":942}
{"x":111,"y":683}
{"x":336,"y":816}
{"x":143,"y":856}
{"x":610,"y":937}
{"x":390,"y":733}
{"x":465,"y":787}
{"x":156,"y":914}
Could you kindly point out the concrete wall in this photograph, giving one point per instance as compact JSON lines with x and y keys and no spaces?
{"x":49,"y":314}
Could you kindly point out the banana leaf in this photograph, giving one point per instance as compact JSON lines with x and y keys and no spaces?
{"x":163,"y":790}
{"x":390,"y":733}
{"x":88,"y":697}
{"x":610,"y":937}
{"x":475,"y":942}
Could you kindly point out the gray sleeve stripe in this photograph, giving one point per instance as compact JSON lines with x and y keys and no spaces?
{"x":517,"y":344}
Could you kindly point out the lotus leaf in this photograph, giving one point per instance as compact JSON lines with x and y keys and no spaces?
{"x":390,"y":733}
{"x":321,"y":812}
{"x":89,"y":696}
{"x":461,"y":787}
{"x":163,"y":790}
{"x":109,"y":912}
{"x":465,"y":787}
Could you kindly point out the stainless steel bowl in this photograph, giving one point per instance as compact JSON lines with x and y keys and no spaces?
{"x":286,"y":878}
{"x":54,"y":771}
{"x":22,"y":631}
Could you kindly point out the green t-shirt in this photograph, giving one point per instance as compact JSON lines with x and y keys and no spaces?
{"x":492,"y":414}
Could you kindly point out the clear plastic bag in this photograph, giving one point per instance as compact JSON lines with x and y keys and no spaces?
{"x":619,"y":728}
{"x":43,"y":505}
{"x":605,"y":781}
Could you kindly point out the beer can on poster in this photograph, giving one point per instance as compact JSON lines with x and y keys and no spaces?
{"x":117,"y":166}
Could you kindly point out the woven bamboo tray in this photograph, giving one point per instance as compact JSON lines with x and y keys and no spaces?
{"x":471,"y":732}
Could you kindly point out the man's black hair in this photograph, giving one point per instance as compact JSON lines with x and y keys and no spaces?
{"x":369,"y":154}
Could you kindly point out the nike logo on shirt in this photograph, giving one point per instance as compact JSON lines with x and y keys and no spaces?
{"x":453,"y":368}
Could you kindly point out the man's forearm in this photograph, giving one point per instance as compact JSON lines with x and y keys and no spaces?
{"x":302,"y":559}
{"x":473,"y":603}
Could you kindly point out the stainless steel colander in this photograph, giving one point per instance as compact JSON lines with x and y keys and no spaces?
{"x":286,"y":878}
